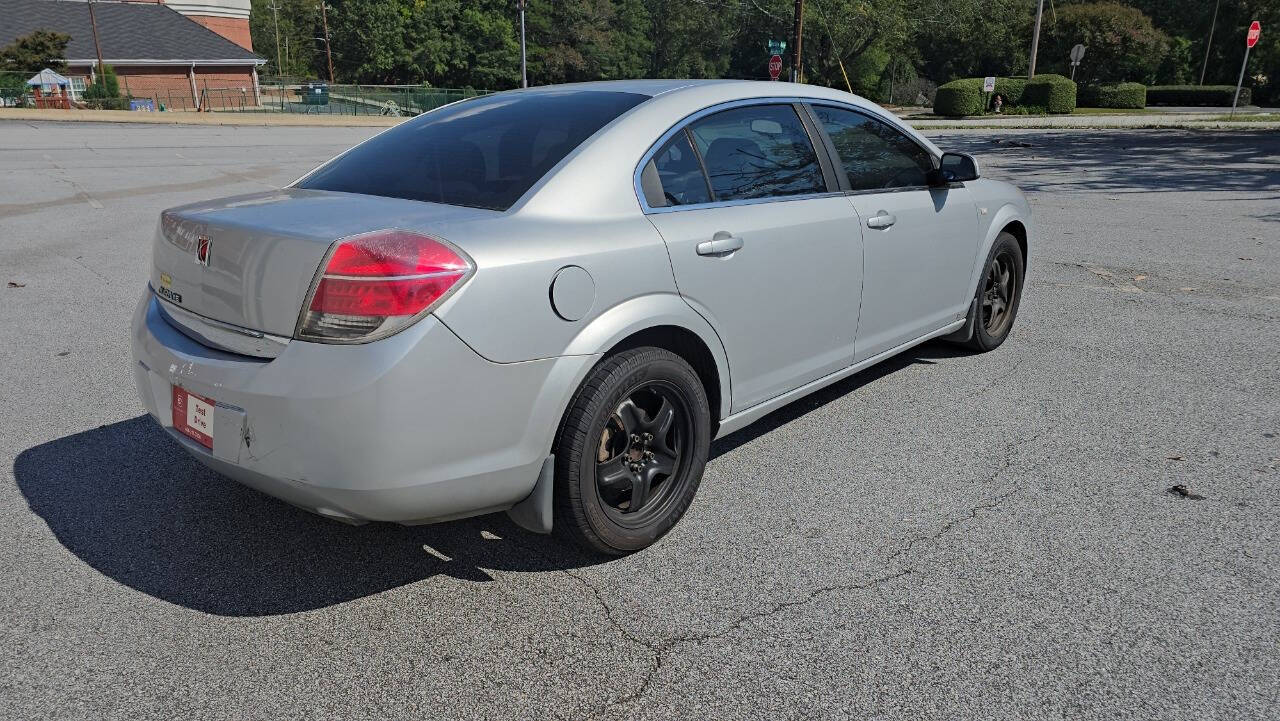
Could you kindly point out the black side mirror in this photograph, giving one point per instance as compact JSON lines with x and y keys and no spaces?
{"x":957,"y":168}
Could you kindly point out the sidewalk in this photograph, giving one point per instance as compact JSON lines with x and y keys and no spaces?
{"x":191,"y":118}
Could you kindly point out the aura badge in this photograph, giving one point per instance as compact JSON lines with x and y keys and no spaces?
{"x":203,"y":248}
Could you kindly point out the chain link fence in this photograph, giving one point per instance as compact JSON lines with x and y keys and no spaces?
{"x":273,"y":95}
{"x":296,"y":95}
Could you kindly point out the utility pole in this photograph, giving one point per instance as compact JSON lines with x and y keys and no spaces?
{"x":275,"y":14}
{"x":1209,"y":43}
{"x":324,"y":19}
{"x":796,"y":70}
{"x":524,"y":66}
{"x":93,"y":23}
{"x":1035,"y":39}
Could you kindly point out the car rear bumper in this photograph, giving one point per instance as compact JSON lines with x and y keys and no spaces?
{"x":414,"y":428}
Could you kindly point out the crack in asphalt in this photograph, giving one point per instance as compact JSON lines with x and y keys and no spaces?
{"x":661,"y":649}
{"x":999,"y":378}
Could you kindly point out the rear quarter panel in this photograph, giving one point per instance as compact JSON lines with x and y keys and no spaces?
{"x":505,"y":312}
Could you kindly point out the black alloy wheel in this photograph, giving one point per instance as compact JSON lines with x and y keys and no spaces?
{"x":640,"y":453}
{"x":630,"y":451}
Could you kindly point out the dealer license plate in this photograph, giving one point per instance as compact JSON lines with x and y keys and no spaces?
{"x":193,"y":416}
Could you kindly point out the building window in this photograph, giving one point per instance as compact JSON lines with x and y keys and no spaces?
{"x":77,"y":87}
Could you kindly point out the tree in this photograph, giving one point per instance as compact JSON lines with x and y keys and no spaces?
{"x":577,"y":40}
{"x":1122,"y":43}
{"x":690,"y":40}
{"x":35,"y":51}
{"x":105,"y":85}
{"x":300,"y":54}
{"x":969,"y":41}
{"x":104,"y":92}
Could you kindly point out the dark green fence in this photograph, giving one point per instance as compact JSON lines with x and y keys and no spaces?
{"x":311,"y":96}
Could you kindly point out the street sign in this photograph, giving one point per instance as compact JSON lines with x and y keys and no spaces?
{"x":988,"y":84}
{"x":1250,"y":39}
{"x":1077,"y":54}
{"x":775,"y":67}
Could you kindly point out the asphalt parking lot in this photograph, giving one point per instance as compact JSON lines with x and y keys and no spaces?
{"x":946,"y":536}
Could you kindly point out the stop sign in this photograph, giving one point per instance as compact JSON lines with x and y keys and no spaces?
{"x":775,"y":66}
{"x":1255,"y":31}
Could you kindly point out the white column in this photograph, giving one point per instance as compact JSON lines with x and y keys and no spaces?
{"x":195,"y":94}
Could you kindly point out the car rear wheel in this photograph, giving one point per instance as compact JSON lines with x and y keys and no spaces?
{"x":631,"y":451}
{"x":999,"y":293}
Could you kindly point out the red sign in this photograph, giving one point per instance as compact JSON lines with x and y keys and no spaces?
{"x":775,"y":66}
{"x":1255,"y":32}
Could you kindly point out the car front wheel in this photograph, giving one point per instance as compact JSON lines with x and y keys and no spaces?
{"x":999,"y":293}
{"x":631,"y":451}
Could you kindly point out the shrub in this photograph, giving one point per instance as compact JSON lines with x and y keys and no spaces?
{"x":1052,"y":93}
{"x":1116,"y":95}
{"x":1220,"y":95}
{"x":104,"y":86}
{"x":959,"y":97}
{"x":1055,"y":92}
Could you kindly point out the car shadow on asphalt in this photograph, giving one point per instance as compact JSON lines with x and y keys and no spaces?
{"x":127,"y":500}
{"x":925,"y":354}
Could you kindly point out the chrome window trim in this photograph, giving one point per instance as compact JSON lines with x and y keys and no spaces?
{"x":741,"y":201}
{"x":685,"y":122}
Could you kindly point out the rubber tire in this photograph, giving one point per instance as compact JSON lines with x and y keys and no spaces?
{"x":981,"y":341}
{"x":579,"y":516}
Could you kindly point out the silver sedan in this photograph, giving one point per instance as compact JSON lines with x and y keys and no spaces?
{"x":550,"y":301}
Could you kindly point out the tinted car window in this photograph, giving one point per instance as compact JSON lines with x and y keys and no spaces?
{"x":681,"y":173}
{"x":758,"y":151}
{"x":874,"y":155}
{"x":483,"y":153}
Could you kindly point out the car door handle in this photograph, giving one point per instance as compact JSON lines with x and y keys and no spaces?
{"x":721,"y":243}
{"x":882,"y":220}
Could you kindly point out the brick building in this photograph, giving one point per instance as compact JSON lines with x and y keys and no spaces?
{"x":182,"y":54}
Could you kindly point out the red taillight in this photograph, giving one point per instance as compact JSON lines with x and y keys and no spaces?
{"x":379,"y":283}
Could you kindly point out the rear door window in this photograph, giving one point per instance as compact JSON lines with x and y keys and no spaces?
{"x":757,"y":151}
{"x":482,"y":153}
{"x":680,"y":173}
{"x":874,"y":155}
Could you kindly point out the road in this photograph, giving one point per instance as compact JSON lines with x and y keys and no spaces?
{"x":946,"y":536}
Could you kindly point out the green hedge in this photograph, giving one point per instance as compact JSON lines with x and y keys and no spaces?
{"x":1054,"y":93}
{"x":1115,"y":95}
{"x":1219,"y":95}
{"x":959,"y":97}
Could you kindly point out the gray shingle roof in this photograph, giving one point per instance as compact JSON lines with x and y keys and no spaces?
{"x":126,"y":31}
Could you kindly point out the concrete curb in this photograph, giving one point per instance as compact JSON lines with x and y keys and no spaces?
{"x":190,"y":118}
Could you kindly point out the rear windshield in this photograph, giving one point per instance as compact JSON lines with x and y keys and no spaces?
{"x":483,"y":153}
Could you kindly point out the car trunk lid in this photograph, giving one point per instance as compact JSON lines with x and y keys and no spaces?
{"x":249,"y":260}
